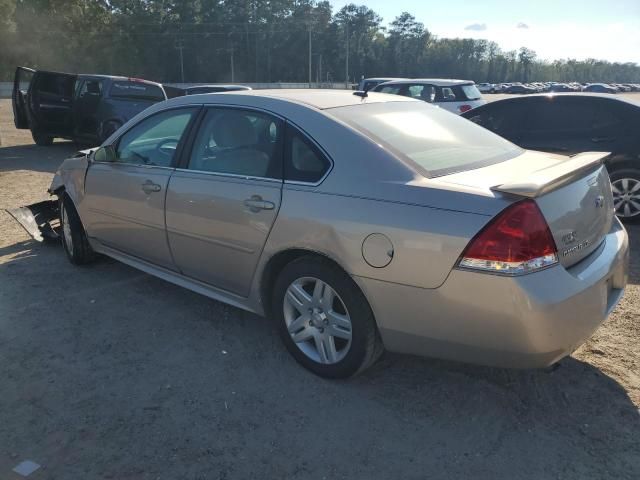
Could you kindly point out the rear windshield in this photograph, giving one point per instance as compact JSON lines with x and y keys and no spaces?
{"x":471,"y":92}
{"x":136,"y":90}
{"x":436,"y":141}
{"x":458,"y":93}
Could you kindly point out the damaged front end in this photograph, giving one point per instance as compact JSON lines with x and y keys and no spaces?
{"x":41,"y":220}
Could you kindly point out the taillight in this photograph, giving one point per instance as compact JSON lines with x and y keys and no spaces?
{"x":464,"y":108}
{"x":517,"y":241}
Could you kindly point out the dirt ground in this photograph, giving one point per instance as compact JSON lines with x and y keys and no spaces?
{"x":106,"y":372}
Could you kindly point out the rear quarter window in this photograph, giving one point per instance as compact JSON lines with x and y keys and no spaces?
{"x":136,"y":91}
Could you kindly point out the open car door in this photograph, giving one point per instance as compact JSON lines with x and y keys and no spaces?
{"x":50,"y":103}
{"x":21,"y":85}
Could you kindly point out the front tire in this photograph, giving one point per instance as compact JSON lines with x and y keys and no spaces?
{"x":324,"y":319}
{"x":74,"y":238}
{"x":42,"y":139}
{"x":625,"y":183}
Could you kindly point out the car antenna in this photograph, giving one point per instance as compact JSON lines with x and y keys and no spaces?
{"x":360,"y":93}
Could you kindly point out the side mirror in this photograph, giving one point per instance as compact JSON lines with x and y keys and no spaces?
{"x":105,"y":154}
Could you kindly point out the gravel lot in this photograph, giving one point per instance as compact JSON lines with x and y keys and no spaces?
{"x":106,"y":372}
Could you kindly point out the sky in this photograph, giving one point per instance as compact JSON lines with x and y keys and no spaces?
{"x":603,"y":29}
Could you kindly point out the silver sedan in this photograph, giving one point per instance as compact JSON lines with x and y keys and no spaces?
{"x":357,"y":223}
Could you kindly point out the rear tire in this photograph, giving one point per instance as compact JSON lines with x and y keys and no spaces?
{"x":74,"y":238}
{"x":350,"y":357}
{"x":42,"y":139}
{"x":625,"y":183}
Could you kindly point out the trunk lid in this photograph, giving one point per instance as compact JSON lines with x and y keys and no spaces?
{"x":573,"y":193}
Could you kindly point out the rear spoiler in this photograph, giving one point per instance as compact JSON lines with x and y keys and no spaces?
{"x":555,"y":176}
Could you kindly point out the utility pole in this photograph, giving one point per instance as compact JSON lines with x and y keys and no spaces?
{"x":346,"y":60}
{"x":233,"y":76}
{"x":180,"y":46}
{"x":309,"y":55}
{"x":233,"y":73}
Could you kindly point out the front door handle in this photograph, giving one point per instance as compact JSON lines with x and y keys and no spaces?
{"x":256,"y":203}
{"x":602,"y":139}
{"x":150,"y":187}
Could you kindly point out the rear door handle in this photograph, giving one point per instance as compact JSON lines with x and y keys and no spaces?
{"x":256,"y":203}
{"x":602,"y":139}
{"x":150,"y":187}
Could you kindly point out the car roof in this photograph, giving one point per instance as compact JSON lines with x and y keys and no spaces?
{"x":375,"y":79}
{"x":439,"y":82}
{"x":550,"y":96}
{"x":320,"y":99}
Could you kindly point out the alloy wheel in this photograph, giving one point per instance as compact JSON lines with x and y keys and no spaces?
{"x":66,"y":231}
{"x":317,"y":320}
{"x":626,"y":197}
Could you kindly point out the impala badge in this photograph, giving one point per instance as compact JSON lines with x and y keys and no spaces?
{"x":599,"y":201}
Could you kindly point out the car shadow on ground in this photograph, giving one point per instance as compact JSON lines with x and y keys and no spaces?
{"x":35,"y":158}
{"x":113,"y":373}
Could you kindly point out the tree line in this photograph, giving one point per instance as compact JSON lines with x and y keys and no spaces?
{"x":260,"y":41}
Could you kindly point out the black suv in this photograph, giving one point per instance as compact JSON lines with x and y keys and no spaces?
{"x":84,"y":108}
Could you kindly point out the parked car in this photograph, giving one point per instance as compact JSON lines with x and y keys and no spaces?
{"x":84,"y":108}
{"x":198,"y":89}
{"x":599,"y":88}
{"x":522,"y":89}
{"x":367,"y":84}
{"x":488,"y":88}
{"x":448,"y":241}
{"x":560,"y":87}
{"x":573,"y":123}
{"x":457,"y":96}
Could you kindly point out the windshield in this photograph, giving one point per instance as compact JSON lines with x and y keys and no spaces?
{"x":136,"y":90}
{"x":438,"y":142}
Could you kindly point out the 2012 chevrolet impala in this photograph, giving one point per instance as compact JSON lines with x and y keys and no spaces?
{"x":357,"y":222}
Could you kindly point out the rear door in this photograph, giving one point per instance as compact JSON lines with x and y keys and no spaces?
{"x":124,"y":200}
{"x":21,"y":84}
{"x":50,"y":99}
{"x":222,"y":203}
{"x":563,"y":125}
{"x":507,"y":119}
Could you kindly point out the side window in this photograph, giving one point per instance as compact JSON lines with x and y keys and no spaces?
{"x":448,"y":95}
{"x":425,"y":93}
{"x":154,"y":140}
{"x":238,"y":142}
{"x":394,"y":89}
{"x":91,"y":87}
{"x":303,"y":161}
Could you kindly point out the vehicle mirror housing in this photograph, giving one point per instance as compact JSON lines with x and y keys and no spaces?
{"x":105,"y":154}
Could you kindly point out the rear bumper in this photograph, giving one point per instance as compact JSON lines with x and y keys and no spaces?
{"x":520,"y":322}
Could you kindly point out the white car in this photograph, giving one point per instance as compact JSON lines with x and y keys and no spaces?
{"x":457,"y":96}
{"x":488,"y":87}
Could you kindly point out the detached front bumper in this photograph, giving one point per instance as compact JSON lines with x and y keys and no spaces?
{"x":527,"y":321}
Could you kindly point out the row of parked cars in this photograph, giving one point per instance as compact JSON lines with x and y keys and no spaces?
{"x":363,"y":221}
{"x":539,"y":87}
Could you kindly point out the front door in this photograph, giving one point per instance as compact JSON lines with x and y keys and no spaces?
{"x":50,"y":103}
{"x":124,"y":200}
{"x":222,"y":204}
{"x":21,"y":83}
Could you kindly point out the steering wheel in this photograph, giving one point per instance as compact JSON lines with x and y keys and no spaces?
{"x":167,"y":147}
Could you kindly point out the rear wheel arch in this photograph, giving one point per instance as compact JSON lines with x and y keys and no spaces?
{"x":278,"y":262}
